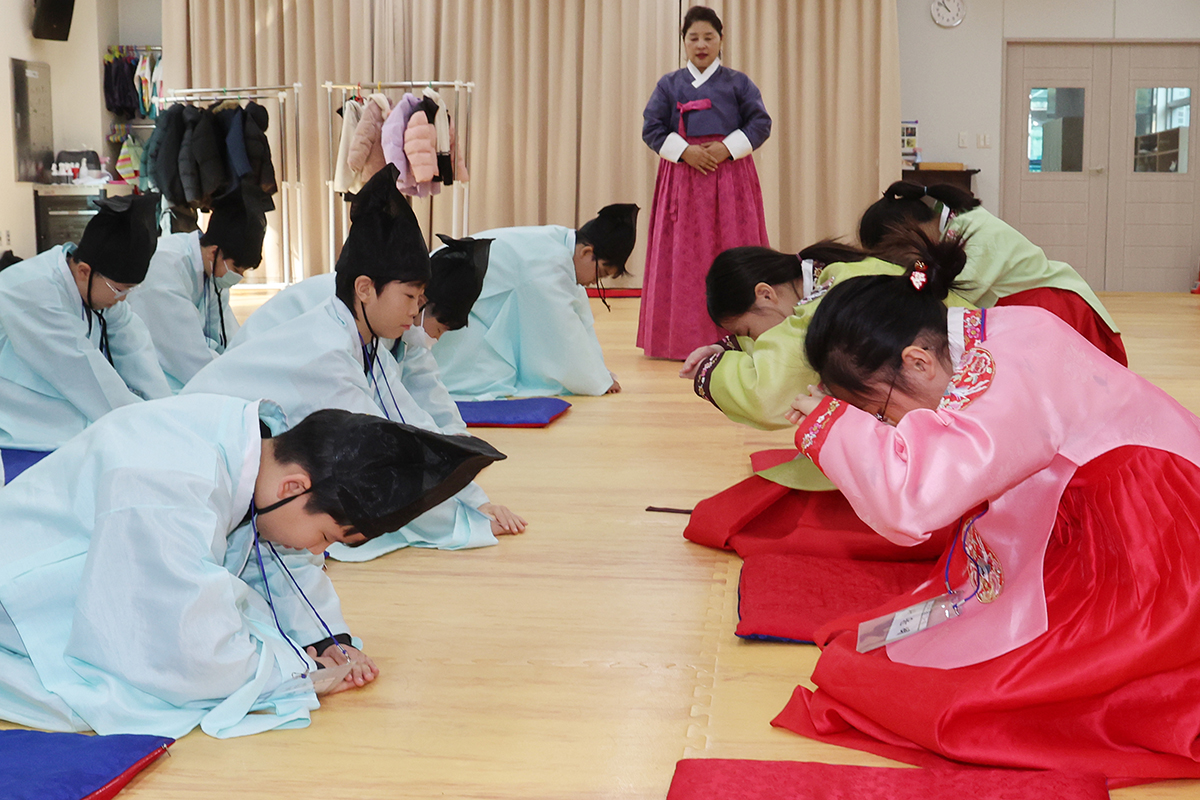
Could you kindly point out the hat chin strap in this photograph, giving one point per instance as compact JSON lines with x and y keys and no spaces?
{"x":258,"y":512}
{"x":87,"y":305}
{"x":371,"y":353}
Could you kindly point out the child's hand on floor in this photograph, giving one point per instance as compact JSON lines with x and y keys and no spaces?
{"x":363,"y":672}
{"x":692,"y":362}
{"x":616,"y":387}
{"x":503,"y":519}
{"x":804,"y":404}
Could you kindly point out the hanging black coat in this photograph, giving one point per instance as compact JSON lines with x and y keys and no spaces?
{"x":258,"y":148}
{"x":230,"y":128}
{"x":202,"y":158}
{"x":162,"y":155}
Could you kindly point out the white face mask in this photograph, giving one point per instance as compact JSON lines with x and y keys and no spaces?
{"x":230,"y":278}
{"x":416,"y":335}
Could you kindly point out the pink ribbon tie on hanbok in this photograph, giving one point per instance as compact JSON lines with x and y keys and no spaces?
{"x":691,"y":105}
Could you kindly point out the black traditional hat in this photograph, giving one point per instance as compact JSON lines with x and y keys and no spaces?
{"x":387,"y":474}
{"x":385,"y":238}
{"x":238,"y":225}
{"x":458,"y":271}
{"x":121,"y":238}
{"x":613,"y":233}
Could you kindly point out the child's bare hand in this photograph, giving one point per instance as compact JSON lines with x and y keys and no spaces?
{"x":616,"y":387}
{"x":503,"y":519}
{"x":361,"y":673}
{"x":692,"y":362}
{"x":804,"y":404}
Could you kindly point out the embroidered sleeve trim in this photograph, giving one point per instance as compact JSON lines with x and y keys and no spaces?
{"x":702,"y":383}
{"x":813,"y":431}
{"x":730,"y":342}
{"x":974,"y":327}
{"x":973,"y":378}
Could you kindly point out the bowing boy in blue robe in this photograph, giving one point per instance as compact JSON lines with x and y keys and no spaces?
{"x":457,"y":270}
{"x":160,"y":569}
{"x":184,"y":299}
{"x":330,"y":357}
{"x":531,"y":331}
{"x":70,"y":350}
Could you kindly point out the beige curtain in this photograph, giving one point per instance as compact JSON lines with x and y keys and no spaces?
{"x":561,"y":84}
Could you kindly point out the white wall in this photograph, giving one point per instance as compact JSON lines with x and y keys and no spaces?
{"x":77,"y":99}
{"x":951,"y":79}
{"x":140,"y":21}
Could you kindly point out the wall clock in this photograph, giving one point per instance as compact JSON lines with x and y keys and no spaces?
{"x":948,"y":13}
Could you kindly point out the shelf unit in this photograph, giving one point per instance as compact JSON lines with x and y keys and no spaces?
{"x":1164,"y":151}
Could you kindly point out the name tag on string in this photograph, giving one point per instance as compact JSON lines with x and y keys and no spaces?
{"x":875,"y":633}
{"x":326,"y":679}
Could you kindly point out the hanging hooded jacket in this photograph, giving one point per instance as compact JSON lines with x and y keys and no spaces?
{"x":162,"y":155}
{"x":258,"y":149}
{"x":231,"y":131}
{"x":392,"y":139}
{"x":366,"y":146}
{"x":344,"y":178}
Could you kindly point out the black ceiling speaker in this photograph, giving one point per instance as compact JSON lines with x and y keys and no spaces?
{"x":52,"y":19}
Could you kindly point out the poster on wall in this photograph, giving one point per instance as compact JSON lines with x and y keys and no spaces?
{"x":33,"y":128}
{"x":909,"y":151}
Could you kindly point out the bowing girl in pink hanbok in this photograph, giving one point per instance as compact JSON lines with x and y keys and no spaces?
{"x":1062,"y":632}
{"x":704,"y":121}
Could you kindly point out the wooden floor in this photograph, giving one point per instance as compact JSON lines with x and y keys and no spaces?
{"x":585,"y":657}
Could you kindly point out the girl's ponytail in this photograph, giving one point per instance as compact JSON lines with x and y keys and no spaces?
{"x":904,"y":203}
{"x":933,"y":267}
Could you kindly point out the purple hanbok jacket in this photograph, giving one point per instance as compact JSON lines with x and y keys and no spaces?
{"x":736,"y":105}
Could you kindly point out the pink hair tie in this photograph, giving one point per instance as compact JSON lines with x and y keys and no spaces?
{"x":918,"y":277}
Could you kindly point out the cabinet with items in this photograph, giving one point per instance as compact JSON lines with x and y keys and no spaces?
{"x":61,"y":212}
{"x":1164,"y":151}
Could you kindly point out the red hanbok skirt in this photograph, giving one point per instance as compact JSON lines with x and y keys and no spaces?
{"x":1075,"y":311}
{"x":1112,"y":686}
{"x":759,"y":516}
{"x":694,"y":217}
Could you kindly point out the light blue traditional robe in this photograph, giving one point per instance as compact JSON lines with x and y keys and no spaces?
{"x":130,"y":597}
{"x":180,"y":307}
{"x":54,"y":381}
{"x":531,"y":332}
{"x":419,"y":373}
{"x":316,"y":361}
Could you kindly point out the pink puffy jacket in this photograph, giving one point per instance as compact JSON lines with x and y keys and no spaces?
{"x":420,"y":146}
{"x":366,"y":148}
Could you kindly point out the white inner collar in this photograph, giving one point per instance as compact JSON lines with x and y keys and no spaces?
{"x":701,"y":77}
{"x":956,"y":334}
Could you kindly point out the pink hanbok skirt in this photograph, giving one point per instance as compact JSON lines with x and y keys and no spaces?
{"x":694,"y":217}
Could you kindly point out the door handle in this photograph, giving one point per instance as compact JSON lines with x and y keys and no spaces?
{"x":1096,"y":170}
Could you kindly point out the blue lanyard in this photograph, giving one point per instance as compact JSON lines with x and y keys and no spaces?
{"x":372,"y":364}
{"x":267,"y":586}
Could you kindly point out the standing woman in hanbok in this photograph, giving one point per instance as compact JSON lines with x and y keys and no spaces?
{"x":704,"y":121}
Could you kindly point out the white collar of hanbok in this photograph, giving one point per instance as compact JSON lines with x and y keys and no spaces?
{"x":67,"y":278}
{"x":956,"y":334}
{"x":197,"y":252}
{"x":699,"y":78}
{"x":244,"y":491}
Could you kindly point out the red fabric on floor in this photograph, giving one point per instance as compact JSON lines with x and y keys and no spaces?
{"x":1075,"y":311}
{"x":758,"y":516}
{"x":1113,"y":683}
{"x":735,"y":779}
{"x":790,"y":596}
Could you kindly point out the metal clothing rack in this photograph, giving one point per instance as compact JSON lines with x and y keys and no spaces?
{"x":290,"y":190}
{"x":461,"y":197}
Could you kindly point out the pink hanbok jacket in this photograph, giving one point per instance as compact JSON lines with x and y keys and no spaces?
{"x":1030,"y":401}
